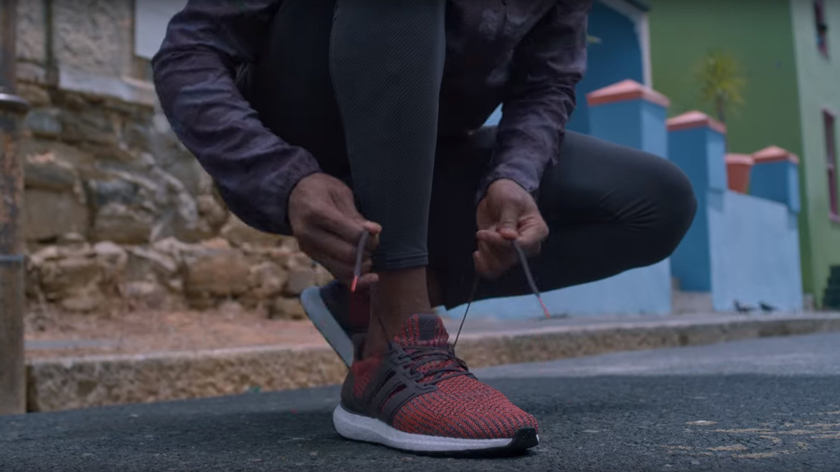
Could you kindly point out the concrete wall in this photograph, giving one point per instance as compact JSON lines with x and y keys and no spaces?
{"x":82,"y":46}
{"x":755,"y":252}
{"x":151,"y":19}
{"x":818,"y":77}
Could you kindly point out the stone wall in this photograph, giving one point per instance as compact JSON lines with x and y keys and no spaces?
{"x":117,"y":213}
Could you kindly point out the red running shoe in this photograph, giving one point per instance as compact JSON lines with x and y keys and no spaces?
{"x":418,"y":396}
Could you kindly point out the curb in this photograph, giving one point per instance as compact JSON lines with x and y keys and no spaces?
{"x":83,"y":382}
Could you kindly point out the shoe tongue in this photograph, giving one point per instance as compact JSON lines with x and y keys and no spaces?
{"x":423,"y":330}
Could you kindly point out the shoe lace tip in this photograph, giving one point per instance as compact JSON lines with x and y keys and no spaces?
{"x":544,"y":308}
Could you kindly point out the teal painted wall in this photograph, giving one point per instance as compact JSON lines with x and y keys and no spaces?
{"x":820,"y":79}
{"x":760,"y":34}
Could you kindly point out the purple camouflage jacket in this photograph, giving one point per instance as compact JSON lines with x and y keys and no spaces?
{"x":527,"y":55}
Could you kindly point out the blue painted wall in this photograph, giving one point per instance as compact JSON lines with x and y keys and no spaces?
{"x":739,"y":247}
{"x":755,"y":256}
{"x":699,"y":152}
{"x":638,"y":291}
{"x":777,"y":181}
{"x":617,"y":57}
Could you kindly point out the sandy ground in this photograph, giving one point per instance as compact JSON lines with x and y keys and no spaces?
{"x":142,"y":331}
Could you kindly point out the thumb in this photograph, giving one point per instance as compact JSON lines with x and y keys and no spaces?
{"x":508,"y":222}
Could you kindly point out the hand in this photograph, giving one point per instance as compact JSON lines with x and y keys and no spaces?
{"x":328,"y":227}
{"x":506,"y":213}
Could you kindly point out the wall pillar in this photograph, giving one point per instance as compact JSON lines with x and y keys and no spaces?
{"x":775,"y":176}
{"x":630,"y":114}
{"x":696,"y":143}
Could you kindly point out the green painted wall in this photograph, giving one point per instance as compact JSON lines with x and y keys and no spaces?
{"x":759,"y":33}
{"x":820,"y":77}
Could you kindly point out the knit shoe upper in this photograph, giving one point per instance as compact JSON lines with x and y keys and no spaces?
{"x":419,"y":386}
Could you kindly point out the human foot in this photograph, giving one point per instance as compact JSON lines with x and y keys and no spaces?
{"x":418,"y":396}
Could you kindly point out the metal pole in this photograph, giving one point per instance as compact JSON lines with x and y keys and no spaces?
{"x":12,"y":110}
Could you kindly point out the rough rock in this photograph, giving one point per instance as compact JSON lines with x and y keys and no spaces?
{"x":287,"y":308}
{"x":122,"y":224}
{"x":211,"y":211}
{"x":113,"y":260}
{"x":65,"y":277}
{"x":215,"y":273}
{"x":299,"y":279}
{"x":146,"y":264}
{"x":266,"y":281}
{"x":35,"y":95}
{"x":240,"y":234}
{"x":47,"y":172}
{"x":49,"y":214}
{"x":44,"y":123}
{"x":86,"y":300}
{"x":182,"y":220}
{"x":147,"y":294}
{"x":322,"y":276}
{"x":297,"y":260}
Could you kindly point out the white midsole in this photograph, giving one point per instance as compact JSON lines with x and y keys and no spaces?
{"x":363,"y":428}
{"x":324,"y":322}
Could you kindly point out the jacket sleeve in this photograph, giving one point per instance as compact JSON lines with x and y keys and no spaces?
{"x":194,"y":75}
{"x":540,"y":97}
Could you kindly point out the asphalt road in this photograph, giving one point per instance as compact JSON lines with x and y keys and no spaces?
{"x":759,"y":405}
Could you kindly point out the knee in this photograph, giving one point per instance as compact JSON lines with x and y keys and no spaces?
{"x":674,"y":208}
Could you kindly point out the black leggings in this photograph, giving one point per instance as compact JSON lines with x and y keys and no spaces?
{"x":336,"y":81}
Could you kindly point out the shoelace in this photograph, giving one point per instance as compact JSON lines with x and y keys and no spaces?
{"x":446,"y":362}
{"x":523,"y":261}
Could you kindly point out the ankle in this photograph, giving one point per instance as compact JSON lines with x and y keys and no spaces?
{"x":396,"y":296}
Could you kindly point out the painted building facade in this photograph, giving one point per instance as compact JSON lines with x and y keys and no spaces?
{"x":791,"y":69}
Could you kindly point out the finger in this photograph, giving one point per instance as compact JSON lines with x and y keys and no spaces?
{"x":508,"y":222}
{"x":343,"y":272}
{"x":485,"y":266}
{"x":531,"y":237}
{"x":366,"y":282}
{"x":341,"y":224}
{"x":374,"y":230}
{"x":322,"y":243}
{"x":501,"y":248}
{"x":497,"y":259}
{"x":491,"y":237}
{"x":347,"y":207}
{"x":503,"y":257}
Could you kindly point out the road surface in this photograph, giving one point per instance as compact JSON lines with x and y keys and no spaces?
{"x":760,"y":405}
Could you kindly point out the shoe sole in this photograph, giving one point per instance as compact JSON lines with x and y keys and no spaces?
{"x":363,"y":428}
{"x":326,"y":324}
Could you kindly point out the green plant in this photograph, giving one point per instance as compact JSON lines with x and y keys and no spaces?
{"x":721,"y":82}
